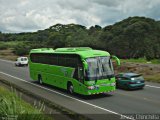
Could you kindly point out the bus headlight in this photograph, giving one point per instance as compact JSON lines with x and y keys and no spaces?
{"x":90,"y":87}
{"x":113,"y":84}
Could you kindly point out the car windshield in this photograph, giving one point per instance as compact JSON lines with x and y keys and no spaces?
{"x":99,"y":68}
{"x":137,"y":77}
{"x":23,"y":59}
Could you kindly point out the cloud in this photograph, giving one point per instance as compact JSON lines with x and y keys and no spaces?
{"x":31,"y":15}
{"x":109,"y":3}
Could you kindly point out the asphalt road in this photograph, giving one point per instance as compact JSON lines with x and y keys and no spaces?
{"x":121,"y":102}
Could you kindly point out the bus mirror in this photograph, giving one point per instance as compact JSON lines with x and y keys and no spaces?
{"x":85,"y":65}
{"x":117,"y":60}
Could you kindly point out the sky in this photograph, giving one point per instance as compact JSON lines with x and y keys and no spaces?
{"x":32,"y":15}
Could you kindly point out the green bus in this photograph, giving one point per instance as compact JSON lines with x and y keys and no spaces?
{"x":79,"y":70}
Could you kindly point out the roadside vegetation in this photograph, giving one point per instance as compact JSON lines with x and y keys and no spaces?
{"x":151,"y":72}
{"x":133,"y":40}
{"x":3,"y":46}
{"x":134,"y":37}
{"x":142,"y":60}
{"x":153,"y":78}
{"x":13,"y":107}
{"x":8,"y":54}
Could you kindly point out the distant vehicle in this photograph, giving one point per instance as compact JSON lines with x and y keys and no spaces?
{"x":130,"y":81}
{"x":21,"y":61}
{"x":79,"y":70}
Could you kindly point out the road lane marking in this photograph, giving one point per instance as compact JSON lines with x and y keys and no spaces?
{"x":152,"y":86}
{"x":145,"y":85}
{"x":95,"y":106}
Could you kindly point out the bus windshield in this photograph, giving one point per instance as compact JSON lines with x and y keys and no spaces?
{"x":99,"y":68}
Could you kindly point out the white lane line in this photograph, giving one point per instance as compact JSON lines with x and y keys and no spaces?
{"x":7,"y":61}
{"x":13,"y":62}
{"x":152,"y":86}
{"x":95,"y":106}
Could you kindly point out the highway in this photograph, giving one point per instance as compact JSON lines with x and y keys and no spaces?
{"x":121,"y":102}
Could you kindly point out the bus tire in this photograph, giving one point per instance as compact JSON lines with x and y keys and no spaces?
{"x":40,"y":79}
{"x":70,"y":88}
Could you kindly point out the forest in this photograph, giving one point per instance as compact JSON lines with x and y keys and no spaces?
{"x":134,"y":37}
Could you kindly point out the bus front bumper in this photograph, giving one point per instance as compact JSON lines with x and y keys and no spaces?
{"x":98,"y":89}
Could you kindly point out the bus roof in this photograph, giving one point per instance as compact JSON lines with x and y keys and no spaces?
{"x":84,"y":52}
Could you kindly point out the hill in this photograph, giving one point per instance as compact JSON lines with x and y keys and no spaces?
{"x":133,"y":37}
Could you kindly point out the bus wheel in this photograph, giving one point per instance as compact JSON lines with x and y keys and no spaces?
{"x":40,"y":79}
{"x":70,"y":88}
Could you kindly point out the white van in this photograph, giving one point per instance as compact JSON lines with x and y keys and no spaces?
{"x":21,"y":61}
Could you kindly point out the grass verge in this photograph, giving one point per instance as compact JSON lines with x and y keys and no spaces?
{"x":153,"y":78}
{"x":141,"y":60}
{"x":13,"y":107}
{"x":8,"y":54}
{"x":54,"y":108}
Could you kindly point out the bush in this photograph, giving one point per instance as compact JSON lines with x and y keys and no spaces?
{"x":3,"y":46}
{"x":21,"y":49}
{"x":25,"y":47}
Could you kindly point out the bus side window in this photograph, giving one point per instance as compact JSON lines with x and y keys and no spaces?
{"x":45,"y":58}
{"x":41,"y":58}
{"x":48,"y":59}
{"x":54,"y":59}
{"x":61,"y":60}
{"x":32,"y":57}
{"x":71,"y":62}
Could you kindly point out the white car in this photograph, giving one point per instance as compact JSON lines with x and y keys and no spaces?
{"x":21,"y":61}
